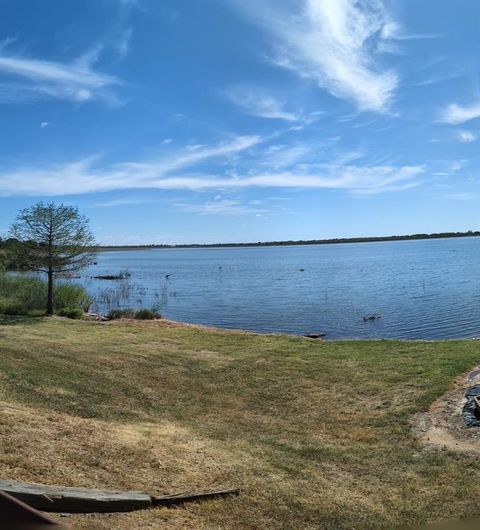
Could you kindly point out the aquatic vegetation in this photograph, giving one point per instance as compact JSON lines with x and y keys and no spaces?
{"x":25,"y":295}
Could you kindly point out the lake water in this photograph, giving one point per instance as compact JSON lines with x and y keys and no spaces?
{"x":422,"y":289}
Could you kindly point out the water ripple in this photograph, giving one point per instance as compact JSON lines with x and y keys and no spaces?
{"x":421,"y":289}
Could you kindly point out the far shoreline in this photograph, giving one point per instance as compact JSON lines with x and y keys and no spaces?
{"x":291,"y":243}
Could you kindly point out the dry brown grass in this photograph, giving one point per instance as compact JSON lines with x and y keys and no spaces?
{"x":315,"y":434}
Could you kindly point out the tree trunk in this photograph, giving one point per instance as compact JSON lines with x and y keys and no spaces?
{"x":50,"y":293}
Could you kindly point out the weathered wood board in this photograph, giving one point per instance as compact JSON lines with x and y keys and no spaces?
{"x":86,"y":500}
{"x":76,"y":500}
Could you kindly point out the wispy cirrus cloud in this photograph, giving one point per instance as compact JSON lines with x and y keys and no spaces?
{"x":333,"y":42}
{"x":280,"y":156}
{"x":450,"y":167}
{"x":25,"y":80}
{"x":119,"y":34}
{"x":190,"y":155}
{"x":182,"y":170}
{"x":125,"y":201}
{"x":87,"y":175}
{"x":439,"y":78}
{"x":219,"y":207}
{"x":456,"y":114}
{"x":4,"y":43}
{"x":256,"y":102}
{"x":122,"y":43}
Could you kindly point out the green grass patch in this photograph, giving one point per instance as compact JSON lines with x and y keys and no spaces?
{"x":315,"y":433}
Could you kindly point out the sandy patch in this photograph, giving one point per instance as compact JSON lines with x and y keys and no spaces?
{"x":443,"y":427}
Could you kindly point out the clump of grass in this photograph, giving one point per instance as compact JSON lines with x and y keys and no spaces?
{"x":140,"y":314}
{"x":73,"y":312}
{"x":147,"y":314}
{"x":27,"y":295}
{"x":117,"y":314}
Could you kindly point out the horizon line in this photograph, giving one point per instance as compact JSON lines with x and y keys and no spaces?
{"x":328,"y":241}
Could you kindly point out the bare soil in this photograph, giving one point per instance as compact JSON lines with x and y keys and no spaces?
{"x":442,"y":426}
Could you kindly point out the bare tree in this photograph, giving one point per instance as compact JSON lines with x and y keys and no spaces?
{"x":53,"y":239}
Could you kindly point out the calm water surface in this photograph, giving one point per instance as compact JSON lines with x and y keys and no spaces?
{"x":422,"y":289}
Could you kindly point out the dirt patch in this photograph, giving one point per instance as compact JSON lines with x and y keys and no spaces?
{"x":443,"y":426}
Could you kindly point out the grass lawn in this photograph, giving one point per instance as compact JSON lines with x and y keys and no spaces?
{"x":316,"y":434}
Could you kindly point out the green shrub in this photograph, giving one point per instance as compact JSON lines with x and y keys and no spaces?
{"x":4,"y":260}
{"x":116,"y":314}
{"x":74,"y":312}
{"x":68,"y":296}
{"x":9,"y":307}
{"x":147,"y":314}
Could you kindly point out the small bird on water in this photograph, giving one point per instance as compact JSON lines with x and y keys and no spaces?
{"x":168,"y":275}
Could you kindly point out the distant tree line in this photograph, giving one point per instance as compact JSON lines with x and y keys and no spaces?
{"x":441,"y":235}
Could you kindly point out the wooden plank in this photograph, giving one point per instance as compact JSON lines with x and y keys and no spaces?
{"x":86,"y":500}
{"x":76,"y":500}
{"x":17,"y":514}
{"x":171,"y":500}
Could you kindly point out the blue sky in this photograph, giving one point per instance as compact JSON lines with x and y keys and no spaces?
{"x":178,"y":121}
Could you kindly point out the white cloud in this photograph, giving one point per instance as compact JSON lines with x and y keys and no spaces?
{"x":218,"y":207}
{"x":122,"y":44}
{"x":4,"y":43}
{"x":87,"y":175}
{"x":188,"y":157}
{"x":357,"y":179}
{"x":438,"y":78}
{"x":44,"y":124}
{"x":256,"y":103}
{"x":456,"y":165}
{"x":27,"y":80}
{"x":455,"y":114}
{"x":467,"y":137}
{"x":333,"y":42}
{"x":124,"y":202}
{"x":281,"y":156}
{"x":450,"y":167}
